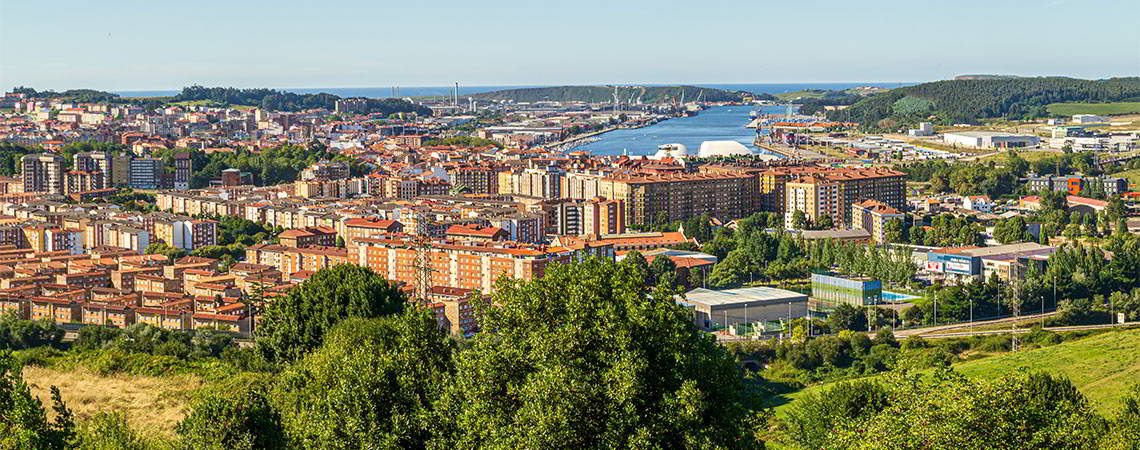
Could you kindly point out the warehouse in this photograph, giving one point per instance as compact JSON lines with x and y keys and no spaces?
{"x":715,"y":309}
{"x":990,"y":139}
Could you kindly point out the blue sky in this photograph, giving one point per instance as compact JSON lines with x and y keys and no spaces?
{"x":161,"y":44}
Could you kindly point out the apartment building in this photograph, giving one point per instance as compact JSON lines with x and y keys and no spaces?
{"x":120,"y":169}
{"x":465,"y":265}
{"x":43,"y":172}
{"x":369,"y":228}
{"x":816,"y":197}
{"x":675,"y":197}
{"x":146,"y":173}
{"x":83,"y":181}
{"x":183,"y":170}
{"x":475,"y":179}
{"x":601,"y":216}
{"x":873,"y":216}
{"x":308,"y":237}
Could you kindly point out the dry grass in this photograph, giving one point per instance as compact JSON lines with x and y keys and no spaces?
{"x":152,"y":404}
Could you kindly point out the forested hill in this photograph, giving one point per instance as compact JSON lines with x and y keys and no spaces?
{"x":965,"y":101}
{"x":602,"y":94}
{"x":275,"y":100}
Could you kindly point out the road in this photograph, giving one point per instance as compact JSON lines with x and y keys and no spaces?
{"x":1026,"y":330}
{"x":958,"y":326}
{"x":792,"y":152}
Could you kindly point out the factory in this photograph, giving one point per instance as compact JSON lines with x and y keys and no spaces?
{"x":990,"y":139}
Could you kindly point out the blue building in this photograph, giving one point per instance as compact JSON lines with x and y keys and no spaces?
{"x":829,"y":291}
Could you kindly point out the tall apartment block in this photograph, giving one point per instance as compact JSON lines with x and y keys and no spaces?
{"x":146,"y":173}
{"x":183,"y":169}
{"x":43,"y":172}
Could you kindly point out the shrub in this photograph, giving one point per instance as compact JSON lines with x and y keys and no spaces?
{"x":108,"y":431}
{"x":813,"y":417}
{"x":238,"y":417}
{"x":914,"y":342}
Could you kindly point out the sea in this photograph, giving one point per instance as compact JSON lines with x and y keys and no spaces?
{"x":425,"y":91}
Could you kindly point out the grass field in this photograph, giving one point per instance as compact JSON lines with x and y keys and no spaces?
{"x":152,"y":404}
{"x":1113,"y":108}
{"x":1133,"y":176}
{"x":1102,"y":366}
{"x":800,"y":94}
{"x":1028,"y":155}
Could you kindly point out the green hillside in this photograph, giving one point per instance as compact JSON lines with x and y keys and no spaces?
{"x":1102,"y":366}
{"x":967,"y":101}
{"x":603,"y":94}
{"x":1106,"y":109}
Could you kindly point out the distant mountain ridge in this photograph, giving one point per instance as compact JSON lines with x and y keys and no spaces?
{"x":604,"y":94}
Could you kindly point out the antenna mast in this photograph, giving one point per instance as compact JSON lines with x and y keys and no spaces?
{"x":422,"y":262}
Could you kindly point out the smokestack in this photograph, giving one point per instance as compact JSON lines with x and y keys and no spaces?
{"x":455,"y":98}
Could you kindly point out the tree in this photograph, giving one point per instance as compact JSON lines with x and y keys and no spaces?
{"x":235,"y":416}
{"x":825,"y":223}
{"x":662,"y":268}
{"x":813,"y":417}
{"x":896,"y":231}
{"x":340,"y":241}
{"x":296,"y":323}
{"x":372,"y":384}
{"x":1012,"y":231}
{"x":847,"y":317}
{"x":585,"y":358}
{"x":637,"y":261}
{"x":23,"y":421}
{"x":799,"y":220}
{"x":949,"y":410}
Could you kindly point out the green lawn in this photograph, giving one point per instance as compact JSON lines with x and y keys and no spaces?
{"x":1102,"y":366}
{"x":1068,"y":109}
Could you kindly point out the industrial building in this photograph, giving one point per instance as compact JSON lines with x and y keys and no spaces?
{"x":715,"y":310}
{"x":990,"y":139}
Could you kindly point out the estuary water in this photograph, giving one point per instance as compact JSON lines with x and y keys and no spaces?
{"x":718,"y":123}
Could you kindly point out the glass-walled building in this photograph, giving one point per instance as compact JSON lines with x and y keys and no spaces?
{"x":829,"y":291}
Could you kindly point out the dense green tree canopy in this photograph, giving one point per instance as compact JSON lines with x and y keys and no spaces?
{"x":587,"y":358}
{"x":966,"y":101}
{"x":371,"y":385}
{"x":274,"y":100}
{"x":296,"y":323}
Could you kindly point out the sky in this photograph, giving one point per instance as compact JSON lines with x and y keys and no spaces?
{"x":120,"y":45}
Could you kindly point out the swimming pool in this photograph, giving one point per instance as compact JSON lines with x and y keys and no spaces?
{"x":895,"y":297}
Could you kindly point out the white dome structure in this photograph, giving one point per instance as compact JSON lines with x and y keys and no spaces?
{"x":711,"y":149}
{"x":675,"y":151}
